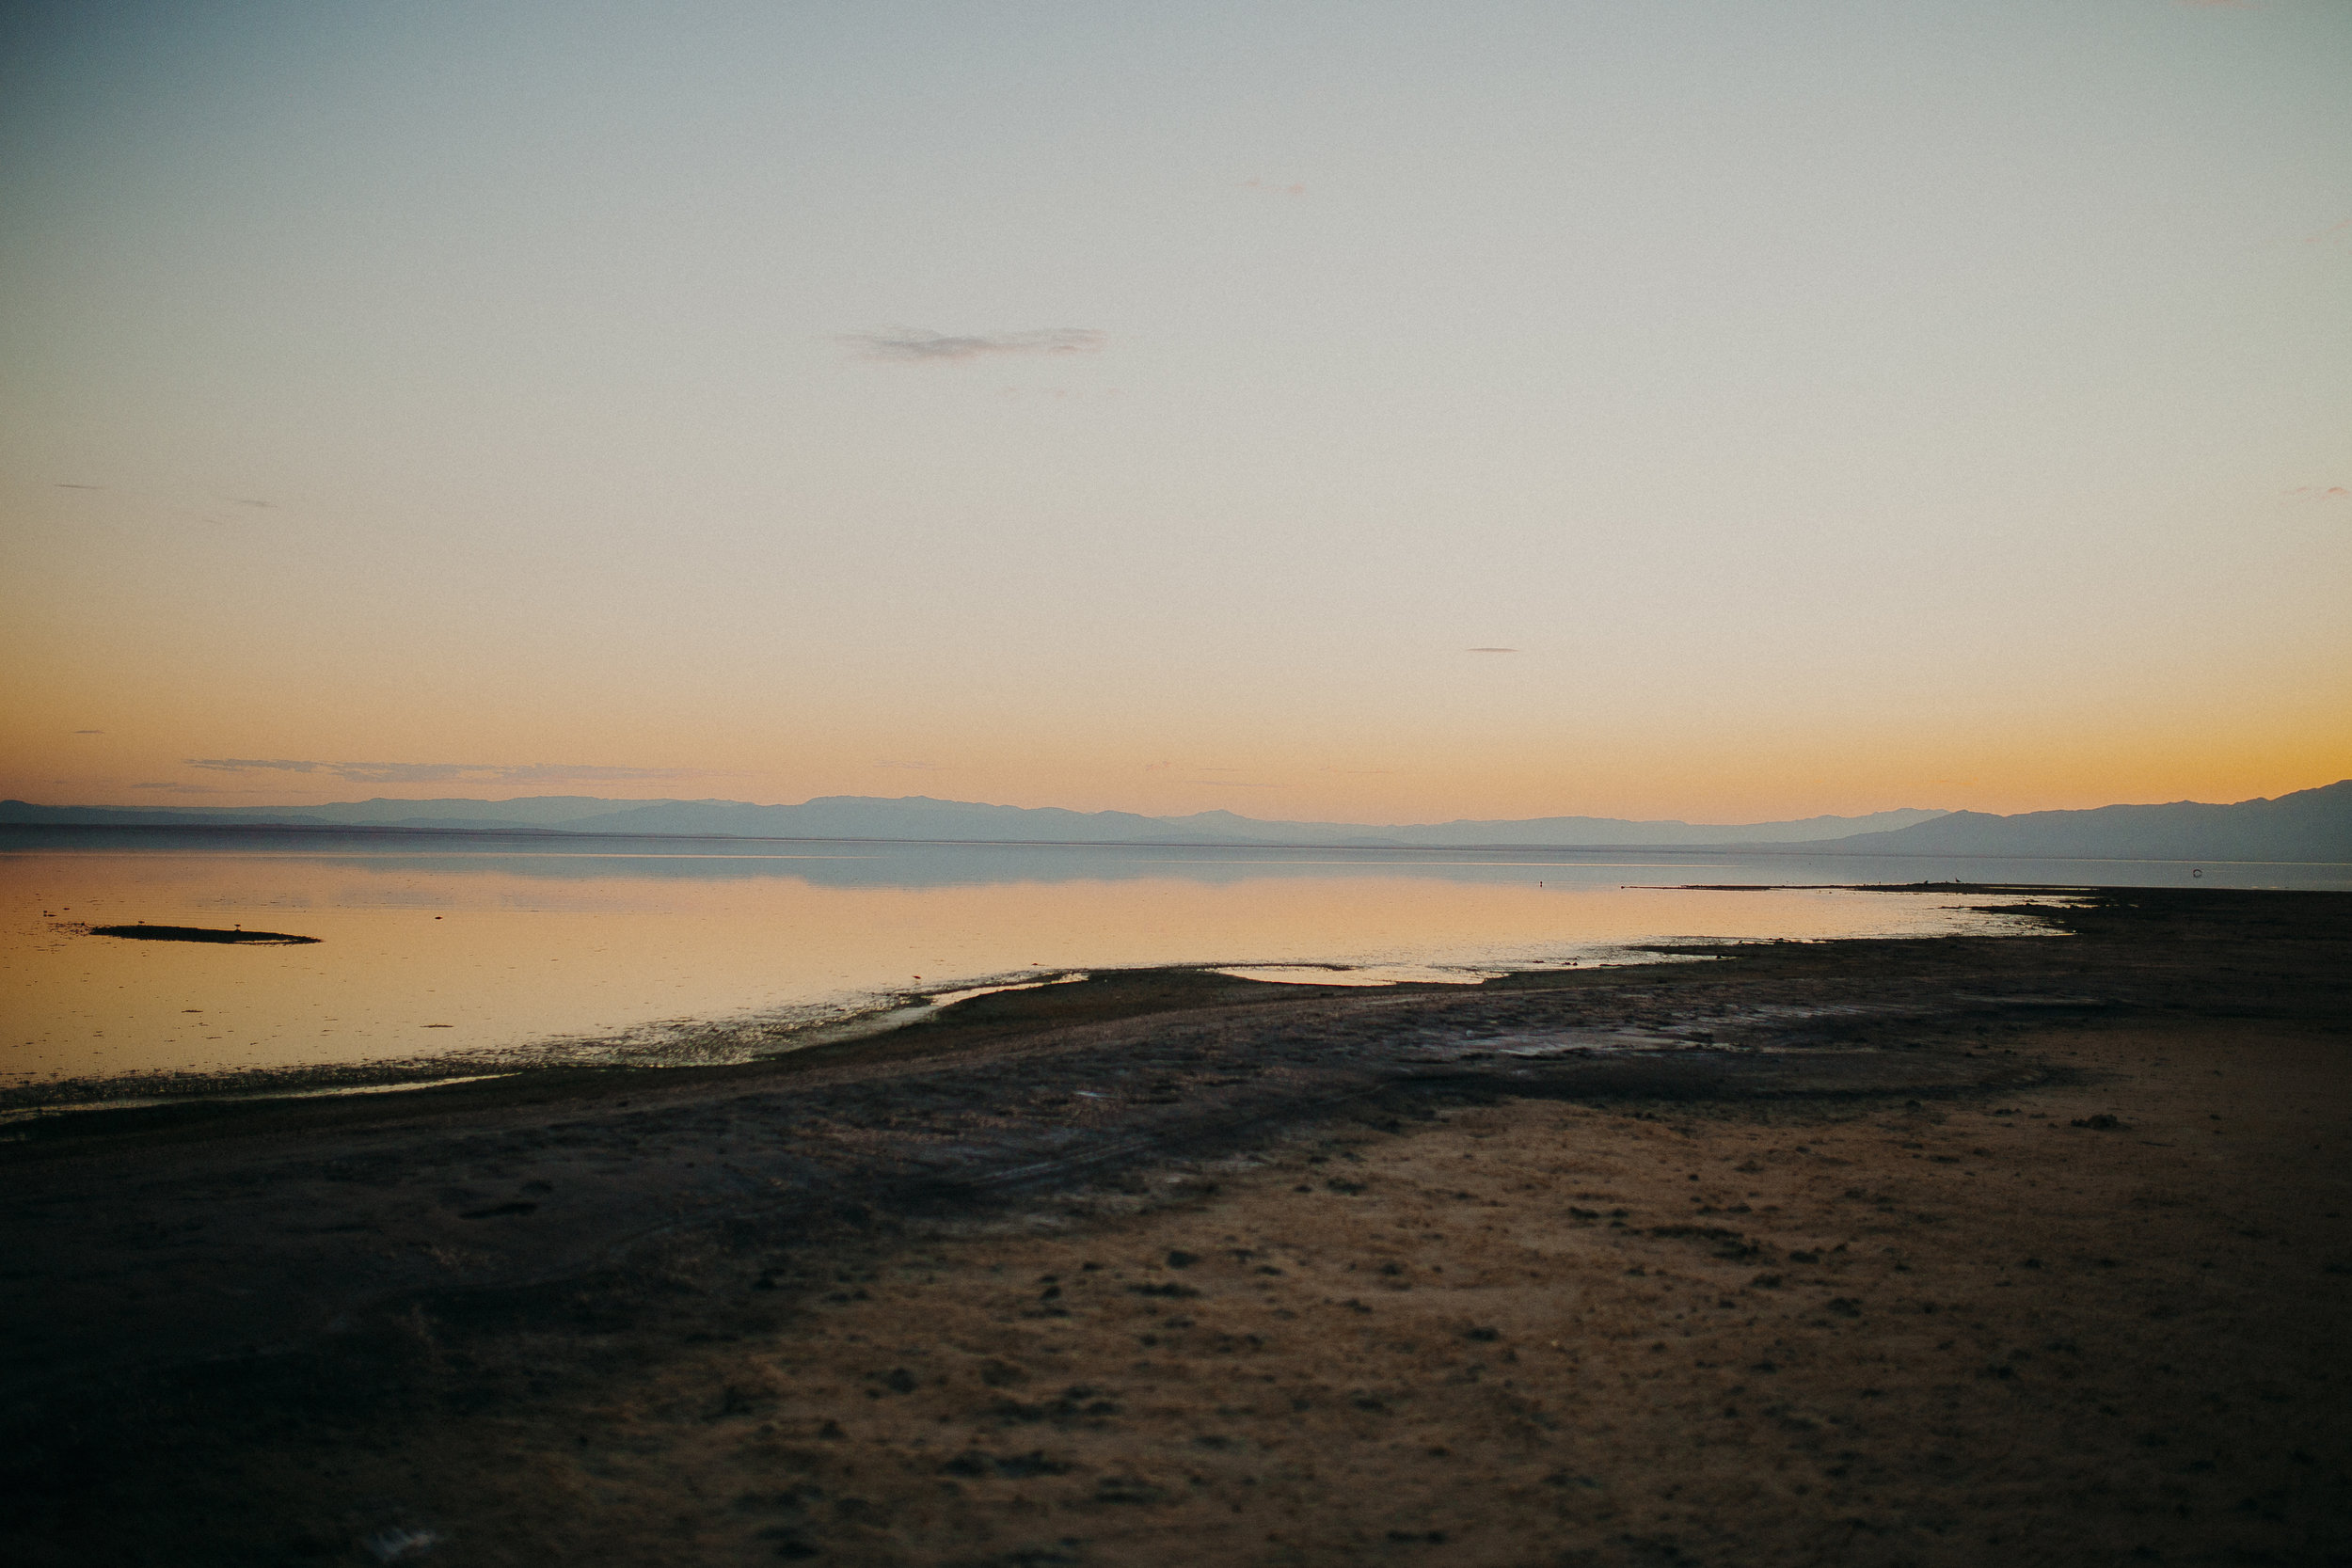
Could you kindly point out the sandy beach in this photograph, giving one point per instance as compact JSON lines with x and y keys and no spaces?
{"x":1941,"y":1251}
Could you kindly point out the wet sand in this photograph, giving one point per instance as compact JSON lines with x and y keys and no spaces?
{"x":1946,"y":1251}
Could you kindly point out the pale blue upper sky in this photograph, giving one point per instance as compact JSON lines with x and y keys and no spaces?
{"x":1839,"y":405}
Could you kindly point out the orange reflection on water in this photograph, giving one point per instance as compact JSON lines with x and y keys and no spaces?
{"x":420,"y":958}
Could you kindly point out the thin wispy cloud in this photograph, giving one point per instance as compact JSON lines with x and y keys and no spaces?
{"x":443,"y":772}
{"x":916,"y":766}
{"x":89,"y":732}
{"x":1058,"y":394}
{"x":181,"y":789}
{"x":2217,"y":5}
{"x":919,"y":346}
{"x":2319,"y":493}
{"x":1491,"y":650}
{"x":1228,"y":784}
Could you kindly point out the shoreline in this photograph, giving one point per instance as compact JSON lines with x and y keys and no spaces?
{"x":299,"y":1323}
{"x":761,"y":1036}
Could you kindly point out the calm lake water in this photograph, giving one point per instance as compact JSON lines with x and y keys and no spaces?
{"x":482,"y":950}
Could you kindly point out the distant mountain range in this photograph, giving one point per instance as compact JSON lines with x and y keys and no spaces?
{"x":2308,"y":825}
{"x":920,"y":817}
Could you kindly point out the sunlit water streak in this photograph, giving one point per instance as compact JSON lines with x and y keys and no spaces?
{"x":463,"y":951}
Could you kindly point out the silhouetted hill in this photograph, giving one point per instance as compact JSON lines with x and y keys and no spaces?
{"x":916,"y":816}
{"x":2308,"y":825}
{"x":530,"y":811}
{"x":920,"y":817}
{"x":542,"y":811}
{"x":24,"y":812}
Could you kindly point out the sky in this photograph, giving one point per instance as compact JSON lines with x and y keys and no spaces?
{"x":1368,"y":411}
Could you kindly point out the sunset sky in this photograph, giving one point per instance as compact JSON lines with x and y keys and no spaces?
{"x":1368,"y":411}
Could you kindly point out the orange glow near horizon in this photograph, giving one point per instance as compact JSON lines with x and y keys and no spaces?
{"x":1809,"y":771}
{"x":1477,"y":758}
{"x":822,"y":413}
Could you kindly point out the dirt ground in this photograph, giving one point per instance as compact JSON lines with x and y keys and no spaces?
{"x":2028,"y":1251}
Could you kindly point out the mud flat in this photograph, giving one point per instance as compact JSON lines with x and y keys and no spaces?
{"x":1943,"y":1251}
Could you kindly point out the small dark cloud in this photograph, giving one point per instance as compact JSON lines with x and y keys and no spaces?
{"x":1491,"y":650}
{"x":916,"y":346}
{"x":64,"y":486}
{"x":1359,"y":772}
{"x":89,"y":732}
{"x":179,"y":789}
{"x":1228,"y":784}
{"x":442,"y":772}
{"x":244,"y":501}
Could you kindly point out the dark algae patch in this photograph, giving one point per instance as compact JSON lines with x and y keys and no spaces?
{"x":200,"y":933}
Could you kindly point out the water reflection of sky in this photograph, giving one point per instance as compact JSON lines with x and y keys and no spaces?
{"x":851,"y":864}
{"x":493,"y":944}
